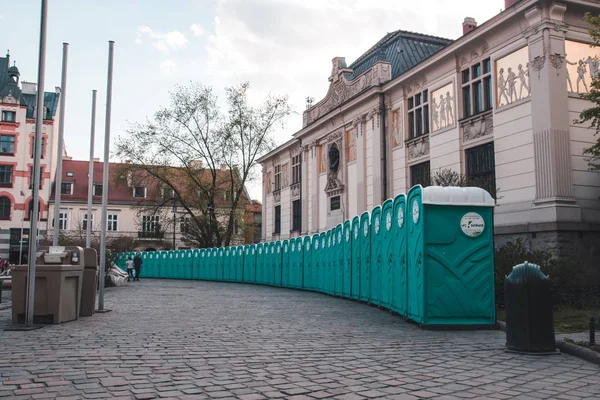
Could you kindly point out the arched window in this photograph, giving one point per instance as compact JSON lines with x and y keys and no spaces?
{"x":334,"y":158}
{"x":4,"y":208}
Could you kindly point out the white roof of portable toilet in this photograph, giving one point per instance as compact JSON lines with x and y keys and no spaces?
{"x":457,"y":196}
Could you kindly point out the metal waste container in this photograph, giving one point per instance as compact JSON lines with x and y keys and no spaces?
{"x":90,"y":282}
{"x":58,"y":285}
{"x":528,"y":307}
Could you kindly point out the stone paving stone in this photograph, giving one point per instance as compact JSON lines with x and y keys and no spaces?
{"x":191,"y":339}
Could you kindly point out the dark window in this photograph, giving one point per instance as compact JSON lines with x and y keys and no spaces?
{"x":31,"y":177}
{"x":139,"y":191}
{"x":477,"y":88}
{"x":278,"y":177}
{"x":33,"y":147}
{"x":9,"y":116}
{"x":481,"y":167}
{"x":97,"y":189}
{"x":185,"y":225}
{"x":150,"y":223}
{"x":112,"y":222}
{"x":420,"y":174}
{"x":167,"y":193}
{"x":4,"y":208}
{"x":62,"y":221}
{"x":296,"y":169}
{"x":84,"y":222}
{"x":7,"y":144}
{"x":277,"y":219}
{"x":66,"y":188}
{"x":296,"y":215}
{"x":418,"y":115}
{"x":6,"y":175}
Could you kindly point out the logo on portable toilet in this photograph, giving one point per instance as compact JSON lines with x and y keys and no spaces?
{"x":317,"y":244}
{"x":356,"y":232}
{"x":294,"y":248}
{"x":366,"y":229}
{"x":415,"y":211}
{"x":300,"y":246}
{"x":307,"y":246}
{"x":377,"y":225}
{"x":278,"y":249}
{"x":252,"y":251}
{"x":400,"y":218}
{"x":348,"y":235}
{"x":472,"y":224}
{"x":339,"y":237}
{"x":388,"y":220}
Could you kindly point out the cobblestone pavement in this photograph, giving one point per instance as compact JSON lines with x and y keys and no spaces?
{"x":191,"y":339}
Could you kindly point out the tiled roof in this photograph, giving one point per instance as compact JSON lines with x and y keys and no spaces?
{"x":76,"y":171}
{"x":402,"y":49}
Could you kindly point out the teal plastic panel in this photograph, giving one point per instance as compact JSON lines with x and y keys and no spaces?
{"x":228,"y":267}
{"x":347,"y":260}
{"x":376,"y":259}
{"x":458,"y":279}
{"x":171,"y":264}
{"x":271,"y":264}
{"x":365,"y":253}
{"x":277,"y":264}
{"x":416,"y":249}
{"x":196,"y":264}
{"x":318,"y":261}
{"x":285,"y":263}
{"x":299,"y":271}
{"x":189,"y":264}
{"x":293,"y":263}
{"x":387,"y":264}
{"x":211,"y":267}
{"x":328,"y":270}
{"x":200,"y":267}
{"x":307,"y":262}
{"x":399,"y":250}
{"x":337,"y":259}
{"x":179,"y":264}
{"x":260,"y":261}
{"x":356,"y":258}
{"x":239,"y":273}
{"x":219,"y":264}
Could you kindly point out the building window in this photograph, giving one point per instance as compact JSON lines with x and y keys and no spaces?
{"x":278,"y":178}
{"x":139,"y":192}
{"x":296,"y":215}
{"x":112,"y":222}
{"x":418,"y":114}
{"x":33,"y":147}
{"x":184,"y":226}
{"x":477,"y":88}
{"x":6,"y":175}
{"x":84,"y":222}
{"x":420,"y":174}
{"x":150,"y":223}
{"x":7,"y":144}
{"x":277,"y":219}
{"x":9,"y":116}
{"x":481,"y":167}
{"x":66,"y":188}
{"x":4,"y":208}
{"x":296,"y":169}
{"x":97,"y":189}
{"x":167,"y":193}
{"x":31,"y":177}
{"x":62,"y":221}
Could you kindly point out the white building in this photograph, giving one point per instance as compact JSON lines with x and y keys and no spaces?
{"x":497,"y":104}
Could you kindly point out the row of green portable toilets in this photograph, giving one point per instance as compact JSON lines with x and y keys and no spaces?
{"x":428,"y":256}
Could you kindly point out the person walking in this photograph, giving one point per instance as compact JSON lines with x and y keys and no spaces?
{"x":137,"y":263}
{"x":129,"y":265}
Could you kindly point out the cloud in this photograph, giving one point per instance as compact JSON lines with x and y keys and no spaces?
{"x":163,"y":42}
{"x":168,"y":68}
{"x":197,"y":30}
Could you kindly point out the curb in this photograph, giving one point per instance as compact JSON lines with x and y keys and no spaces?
{"x":567,"y":348}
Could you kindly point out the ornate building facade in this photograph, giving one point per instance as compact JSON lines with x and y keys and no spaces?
{"x":497,"y":105}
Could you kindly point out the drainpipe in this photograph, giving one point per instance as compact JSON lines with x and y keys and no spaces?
{"x":384,"y":147}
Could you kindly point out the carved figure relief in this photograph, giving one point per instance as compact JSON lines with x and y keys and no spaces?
{"x":396,"y":127}
{"x":351,"y":144}
{"x":478,"y":128}
{"x":582,"y":65}
{"x":443,"y":108}
{"x":513,"y":78}
{"x":267,"y":181}
{"x":418,"y":148}
{"x":284,"y":176}
{"x":322,"y":160}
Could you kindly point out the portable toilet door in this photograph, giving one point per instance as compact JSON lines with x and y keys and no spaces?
{"x":149,"y":265}
{"x":356,"y":257}
{"x":365,"y":252}
{"x":211,"y":265}
{"x":240,"y":264}
{"x":266,"y":264}
{"x":317,"y":263}
{"x":201,"y":265}
{"x":252,"y":264}
{"x":376,"y":259}
{"x":458,"y":264}
{"x":285,"y":264}
{"x":177,"y":267}
{"x":347,"y":260}
{"x":299,"y":272}
{"x":338,"y":261}
{"x":416,"y":249}
{"x":399,"y":256}
{"x":289,"y":281}
{"x":260,"y":263}
{"x":188,"y":254}
{"x":272,"y":262}
{"x":227,"y":267}
{"x":328,"y":270}
{"x":307,"y":249}
{"x":245,"y":266}
{"x":387,"y":264}
{"x":218,"y":256}
{"x":196,"y":264}
{"x":278,"y":263}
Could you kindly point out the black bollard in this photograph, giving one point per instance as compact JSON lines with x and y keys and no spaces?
{"x":592,"y":331}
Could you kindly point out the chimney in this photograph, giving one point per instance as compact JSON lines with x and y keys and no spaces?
{"x":469,"y":24}
{"x":96,"y":159}
{"x":28,"y":87}
{"x":510,"y":3}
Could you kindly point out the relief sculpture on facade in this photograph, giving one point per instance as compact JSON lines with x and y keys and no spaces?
{"x":442,"y":107}
{"x":513,"y":77}
{"x":284,"y":175}
{"x":582,"y":66}
{"x":419,"y":147}
{"x":478,"y":128}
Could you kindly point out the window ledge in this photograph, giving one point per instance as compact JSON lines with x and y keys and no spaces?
{"x":475,"y":117}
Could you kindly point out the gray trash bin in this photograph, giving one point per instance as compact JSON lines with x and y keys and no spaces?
{"x":90,"y":283}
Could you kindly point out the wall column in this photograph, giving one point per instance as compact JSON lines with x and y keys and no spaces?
{"x":554,"y":198}
{"x":304,"y":189}
{"x":360,"y":166}
{"x":375,"y":116}
{"x":314,"y":189}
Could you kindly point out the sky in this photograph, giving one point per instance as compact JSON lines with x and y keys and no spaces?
{"x":282,"y":47}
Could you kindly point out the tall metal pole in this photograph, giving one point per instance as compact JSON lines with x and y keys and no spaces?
{"x":88,"y":234}
{"x":59,"y":151}
{"x":111,"y":46}
{"x":36,"y":178}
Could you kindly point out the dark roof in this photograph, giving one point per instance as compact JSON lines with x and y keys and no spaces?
{"x":6,"y":86}
{"x":402,"y":49}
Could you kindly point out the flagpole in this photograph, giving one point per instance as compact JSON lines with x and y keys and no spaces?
{"x":88,"y":236}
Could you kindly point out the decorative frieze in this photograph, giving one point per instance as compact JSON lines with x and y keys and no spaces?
{"x":478,"y":127}
{"x":418,"y":147}
{"x":277,"y":196}
{"x":295,"y":191}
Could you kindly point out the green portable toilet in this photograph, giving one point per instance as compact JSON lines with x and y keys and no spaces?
{"x":228,"y":266}
{"x":376,"y":259}
{"x":307,"y":248}
{"x":365,"y":253}
{"x":325,"y":266}
{"x":272,"y":260}
{"x":162,"y":264}
{"x":218,"y":257}
{"x":331,"y":240}
{"x":356,"y":257}
{"x":277,"y":264}
{"x":234,"y":264}
{"x":299,"y":271}
{"x":347,"y":260}
{"x":250,"y":264}
{"x":456,"y":284}
{"x":292,"y":263}
{"x":240,"y":264}
{"x":259,"y":263}
{"x":201,"y":265}
{"x":149,"y":265}
{"x":315,"y":265}
{"x":266,"y":261}
{"x":177,"y":265}
{"x":387,"y":265}
{"x":171,"y":273}
{"x":188,"y":254}
{"x":211,"y":267}
{"x":338,"y":260}
{"x":285,"y":263}
{"x":195,"y":264}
